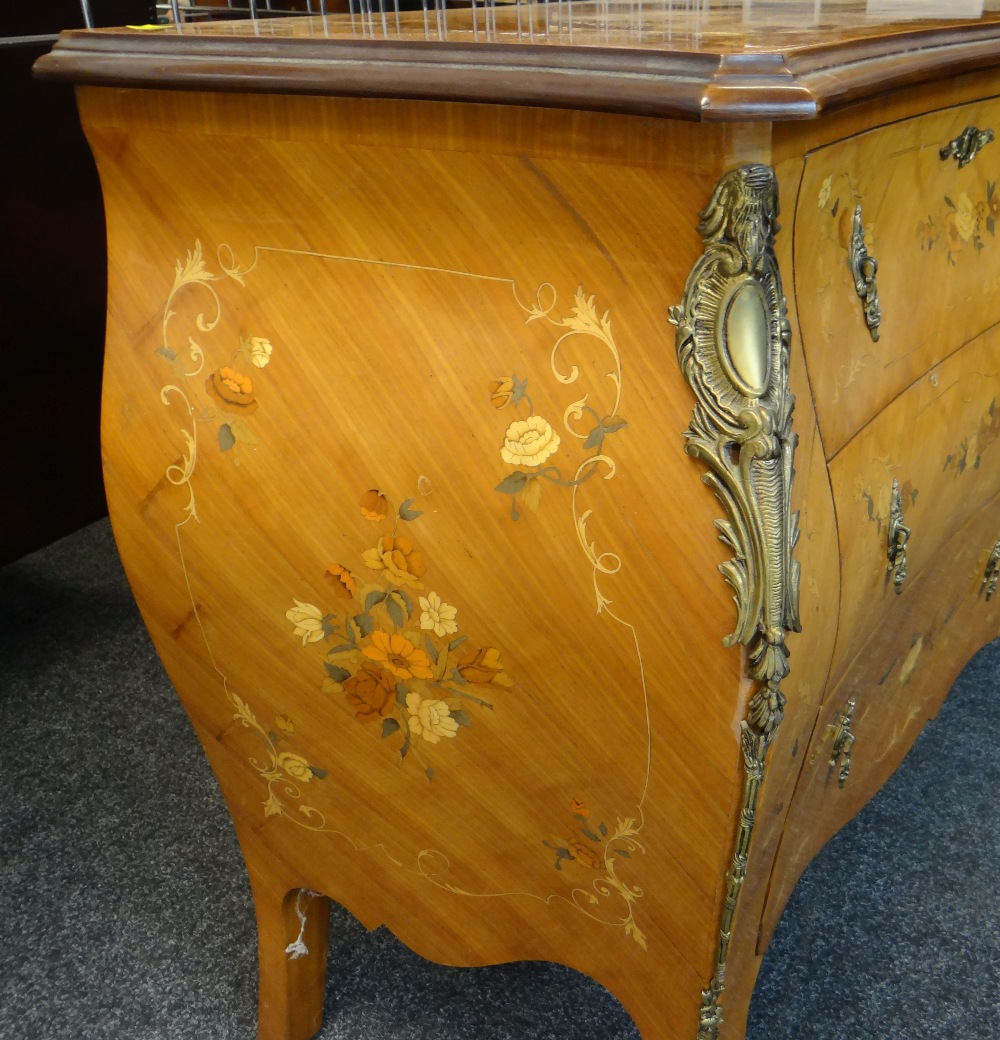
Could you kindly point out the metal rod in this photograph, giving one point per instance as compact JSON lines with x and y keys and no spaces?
{"x":88,"y":21}
{"x":185,"y":10}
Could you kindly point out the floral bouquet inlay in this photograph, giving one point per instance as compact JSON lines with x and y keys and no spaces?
{"x":398,"y":659}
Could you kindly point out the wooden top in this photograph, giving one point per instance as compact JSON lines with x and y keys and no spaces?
{"x":726,"y":61}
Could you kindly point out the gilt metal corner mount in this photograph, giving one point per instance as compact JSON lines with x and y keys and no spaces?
{"x":732,"y":344}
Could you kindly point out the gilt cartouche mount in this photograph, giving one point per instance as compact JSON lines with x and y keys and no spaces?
{"x":733,"y":348}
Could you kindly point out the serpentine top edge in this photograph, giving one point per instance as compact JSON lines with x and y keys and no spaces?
{"x":705,"y":62}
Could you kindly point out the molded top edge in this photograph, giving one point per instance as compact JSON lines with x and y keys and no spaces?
{"x":783,"y":61}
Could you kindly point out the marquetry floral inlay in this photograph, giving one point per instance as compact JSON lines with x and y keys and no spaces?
{"x":388,"y":635}
{"x":962,"y":222}
{"x":597,"y":849}
{"x":227,"y":389}
{"x":283,"y":771}
{"x":968,"y":454}
{"x":838,"y":195}
{"x":531,"y":441}
{"x":877,"y":500}
{"x":395,"y":655}
{"x":226,"y":396}
{"x":540,"y":455}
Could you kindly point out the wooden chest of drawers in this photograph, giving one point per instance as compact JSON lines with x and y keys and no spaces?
{"x":395,"y":431}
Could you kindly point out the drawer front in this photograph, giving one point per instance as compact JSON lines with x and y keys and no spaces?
{"x":931,"y":226}
{"x":940,"y":443}
{"x":897,"y":682}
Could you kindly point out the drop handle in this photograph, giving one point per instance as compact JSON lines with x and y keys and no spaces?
{"x":964,"y":148}
{"x":992,"y":576}
{"x":897,"y":539}
{"x":864,"y":267}
{"x":843,"y":742}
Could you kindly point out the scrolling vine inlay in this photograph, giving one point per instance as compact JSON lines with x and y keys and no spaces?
{"x":530,"y":443}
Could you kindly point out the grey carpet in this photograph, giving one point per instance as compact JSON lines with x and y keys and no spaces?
{"x":125,"y":911}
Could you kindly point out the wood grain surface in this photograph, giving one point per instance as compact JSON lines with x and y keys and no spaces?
{"x":422,"y":308}
{"x":393,"y":436}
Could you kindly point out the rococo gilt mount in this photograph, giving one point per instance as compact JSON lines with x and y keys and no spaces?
{"x":733,"y":348}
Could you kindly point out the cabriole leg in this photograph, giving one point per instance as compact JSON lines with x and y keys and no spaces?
{"x":293,"y":925}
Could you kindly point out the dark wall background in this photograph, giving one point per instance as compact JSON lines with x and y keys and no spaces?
{"x":52,"y":286}
{"x":41,"y":17}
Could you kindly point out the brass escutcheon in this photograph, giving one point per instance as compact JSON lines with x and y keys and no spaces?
{"x":966,"y":146}
{"x":843,"y":742}
{"x":992,"y":576}
{"x":863,"y":270}
{"x":899,"y":535}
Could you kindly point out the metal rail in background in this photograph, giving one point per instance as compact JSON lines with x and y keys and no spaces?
{"x":373,"y":19}
{"x":187,"y":10}
{"x":178,"y":11}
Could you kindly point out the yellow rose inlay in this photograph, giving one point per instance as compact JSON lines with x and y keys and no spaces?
{"x":295,"y":766}
{"x":430,"y":719}
{"x":529,"y":442}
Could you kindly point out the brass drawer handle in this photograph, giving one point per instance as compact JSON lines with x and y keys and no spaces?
{"x":992,"y":576}
{"x":966,"y":146}
{"x":863,"y":270}
{"x":899,"y":535}
{"x":843,"y":742}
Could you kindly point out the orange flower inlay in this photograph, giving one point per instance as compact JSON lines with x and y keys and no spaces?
{"x":374,"y":506}
{"x":370,"y":693}
{"x":233,"y":390}
{"x":396,"y":555}
{"x":344,"y":585}
{"x":584,"y":854}
{"x":483,"y":668}
{"x":501,"y":392}
{"x":399,"y":656}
